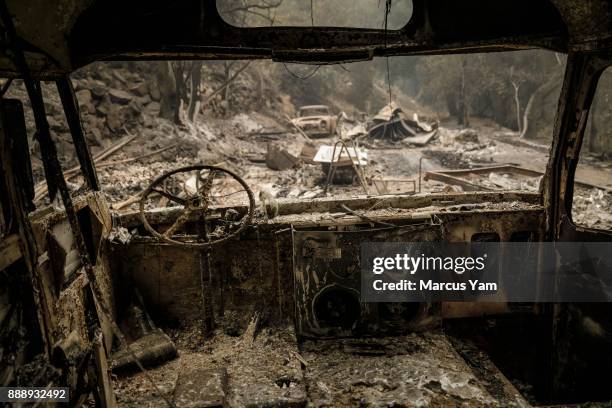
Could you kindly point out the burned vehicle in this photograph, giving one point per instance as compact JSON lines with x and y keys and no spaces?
{"x":196,"y":297}
{"x":316,"y":120}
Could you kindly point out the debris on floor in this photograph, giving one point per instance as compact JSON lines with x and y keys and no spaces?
{"x":201,"y":388}
{"x":151,"y":349}
{"x":409,"y":371}
{"x":260,"y":371}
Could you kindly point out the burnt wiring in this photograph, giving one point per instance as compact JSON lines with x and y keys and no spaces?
{"x":386,"y":28}
{"x":302,"y":78}
{"x":317,"y":67}
{"x":344,"y":68}
{"x":312,"y":13}
{"x":366,"y":218}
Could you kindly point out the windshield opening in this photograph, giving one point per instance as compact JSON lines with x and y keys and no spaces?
{"x":461,"y":123}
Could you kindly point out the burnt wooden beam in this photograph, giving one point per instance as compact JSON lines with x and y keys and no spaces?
{"x":105,"y":395}
{"x":71,"y":110}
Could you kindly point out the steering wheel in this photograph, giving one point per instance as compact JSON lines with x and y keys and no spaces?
{"x":192,"y":189}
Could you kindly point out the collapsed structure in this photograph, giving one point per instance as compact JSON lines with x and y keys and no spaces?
{"x":84,"y":290}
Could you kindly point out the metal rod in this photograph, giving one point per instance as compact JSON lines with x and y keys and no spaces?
{"x":420,"y":168}
{"x":356,"y":166}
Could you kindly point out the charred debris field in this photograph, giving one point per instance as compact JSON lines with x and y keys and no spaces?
{"x":278,"y":132}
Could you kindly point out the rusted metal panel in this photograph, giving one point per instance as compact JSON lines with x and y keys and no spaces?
{"x":73,"y":33}
{"x":327,"y":284}
{"x":263,"y":275}
{"x":71,"y":109}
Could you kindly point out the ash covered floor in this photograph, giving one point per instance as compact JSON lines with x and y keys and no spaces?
{"x":272,"y":369}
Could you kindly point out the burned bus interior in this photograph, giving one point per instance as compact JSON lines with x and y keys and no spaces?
{"x":185,"y":186}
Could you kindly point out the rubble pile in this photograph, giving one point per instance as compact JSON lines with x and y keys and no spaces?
{"x":391,"y":122}
{"x":592,"y":208}
{"x":461,"y":149}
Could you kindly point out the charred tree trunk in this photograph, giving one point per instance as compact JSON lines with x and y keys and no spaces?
{"x":169,"y":102}
{"x":196,"y":81}
{"x":543,"y":89}
{"x":226,"y":92}
{"x":517,"y":104}
{"x":463,"y":118}
{"x":179,"y":68}
{"x":591,"y":134}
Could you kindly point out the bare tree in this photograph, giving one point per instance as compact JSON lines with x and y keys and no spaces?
{"x":180,"y":81}
{"x":516,"y":84}
{"x":544,"y":88}
{"x":169,"y":102}
{"x":239,"y":11}
{"x":196,"y":83}
{"x":463,"y":117}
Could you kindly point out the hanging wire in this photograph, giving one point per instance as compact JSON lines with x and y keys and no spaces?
{"x":312,"y":13}
{"x":386,"y":22}
{"x":308,"y":76}
{"x":389,"y":80}
{"x":344,"y":68}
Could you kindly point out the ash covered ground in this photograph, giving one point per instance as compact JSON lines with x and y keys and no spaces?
{"x":122,"y":102}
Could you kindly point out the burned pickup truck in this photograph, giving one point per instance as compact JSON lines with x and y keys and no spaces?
{"x":316,"y":120}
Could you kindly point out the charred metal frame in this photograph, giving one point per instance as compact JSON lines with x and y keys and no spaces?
{"x":53,"y":168}
{"x":71,"y":109}
{"x":97,"y":310}
{"x":427,"y":27}
{"x":194,"y":29}
{"x":583,"y":71}
{"x":582,"y":75}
